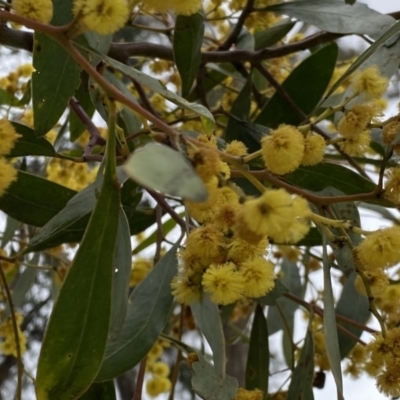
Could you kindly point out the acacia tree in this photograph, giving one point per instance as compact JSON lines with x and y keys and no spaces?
{"x":248,"y":150}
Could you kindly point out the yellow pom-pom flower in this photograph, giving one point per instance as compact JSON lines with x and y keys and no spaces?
{"x":37,"y":10}
{"x":8,"y":174}
{"x":8,"y":136}
{"x":282,"y":150}
{"x":379,"y":249}
{"x":392,"y":186}
{"x":377,"y":280}
{"x":370,"y":82}
{"x":223,"y":283}
{"x":236,"y":148}
{"x":243,"y":394}
{"x":258,"y":275}
{"x":355,"y":120}
{"x":184,"y":7}
{"x":102,"y":16}
{"x":356,"y":145}
{"x":186,"y":288}
{"x":158,"y":385}
{"x":314,"y":149}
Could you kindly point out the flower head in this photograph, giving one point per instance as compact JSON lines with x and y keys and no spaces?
{"x":102,"y":16}
{"x":379,"y":249}
{"x":370,"y":82}
{"x":186,"y":7}
{"x":314,"y":149}
{"x":356,"y":145}
{"x":355,"y":120}
{"x":223,"y":283}
{"x":282,"y":150}
{"x":8,"y":174}
{"x":37,"y":10}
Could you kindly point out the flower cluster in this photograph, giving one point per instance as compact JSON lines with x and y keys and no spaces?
{"x":8,"y":345}
{"x":37,"y":10}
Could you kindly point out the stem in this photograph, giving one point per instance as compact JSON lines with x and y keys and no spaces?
{"x":140,"y":380}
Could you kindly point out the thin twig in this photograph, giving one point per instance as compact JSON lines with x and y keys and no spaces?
{"x":140,"y":380}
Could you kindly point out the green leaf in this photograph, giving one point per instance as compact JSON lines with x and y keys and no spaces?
{"x":188,"y":37}
{"x":122,"y":272}
{"x":272,"y":35}
{"x":29,"y":144}
{"x":76,"y":126}
{"x":148,"y":312}
{"x":313,"y":238}
{"x":238,"y":127}
{"x":208,"y":321}
{"x":305,"y":86}
{"x":24,"y":284}
{"x":33,"y":200}
{"x":9,"y":231}
{"x":336,"y":16}
{"x":355,"y":307}
{"x":100,"y":391}
{"x":51,"y":87}
{"x":62,"y":12}
{"x":323,"y":175}
{"x":8,"y":99}
{"x":257,"y":367}
{"x":301,"y":384}
{"x":76,"y":335}
{"x":329,"y":322}
{"x":160,"y":168}
{"x":245,"y":40}
{"x":209,"y":385}
{"x":157,"y":87}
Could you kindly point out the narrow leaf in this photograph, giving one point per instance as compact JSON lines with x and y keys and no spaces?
{"x":160,"y":168}
{"x":301,"y":383}
{"x":272,"y":35}
{"x":122,"y":271}
{"x":208,"y":320}
{"x":100,"y":391}
{"x":51,"y":87}
{"x":148,"y":312}
{"x":188,"y":37}
{"x":76,"y":336}
{"x":257,"y":368}
{"x":305,"y":86}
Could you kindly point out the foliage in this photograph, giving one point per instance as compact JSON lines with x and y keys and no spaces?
{"x":182,"y":173}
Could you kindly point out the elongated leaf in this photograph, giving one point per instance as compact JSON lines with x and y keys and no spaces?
{"x":51,"y":87}
{"x":76,"y":126}
{"x":100,"y":391}
{"x":208,"y":320}
{"x":354,"y":306}
{"x":323,"y":175}
{"x":236,"y":128}
{"x":148,"y":311}
{"x":209,"y":385}
{"x":76,"y":335}
{"x":272,"y":35}
{"x":305,"y":86}
{"x":156,"y":86}
{"x":160,"y":168}
{"x":270,"y":298}
{"x":188,"y":37}
{"x":122,"y":271}
{"x":336,"y":16}
{"x":29,"y":144}
{"x":257,"y":367}
{"x":34,"y":200}
{"x":300,"y":386}
{"x":329,"y":324}
{"x":9,"y":231}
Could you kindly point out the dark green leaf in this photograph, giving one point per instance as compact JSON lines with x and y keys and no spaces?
{"x":122,"y":272}
{"x":245,"y":40}
{"x":62,"y":12}
{"x":100,"y":391}
{"x":301,"y":384}
{"x":76,"y":335}
{"x":76,"y":126}
{"x":34,"y":200}
{"x":24,"y":284}
{"x":305,"y":86}
{"x":336,"y":16}
{"x":51,"y":87}
{"x":355,"y":307}
{"x":30,"y":145}
{"x":9,"y":231}
{"x":238,"y":126}
{"x":209,"y":385}
{"x":323,"y":175}
{"x":208,"y":320}
{"x":188,"y":37}
{"x":257,"y":368}
{"x":272,"y":35}
{"x":148,"y":311}
{"x":158,"y":167}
